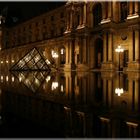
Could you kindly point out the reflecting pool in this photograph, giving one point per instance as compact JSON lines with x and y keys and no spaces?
{"x":70,"y":104}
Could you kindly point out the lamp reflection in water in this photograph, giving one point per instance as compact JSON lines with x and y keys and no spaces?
{"x":119,"y":50}
{"x":62,"y":88}
{"x":119,"y":90}
{"x":1,"y":79}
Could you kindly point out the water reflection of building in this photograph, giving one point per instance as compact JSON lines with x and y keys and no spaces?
{"x":84,"y":35}
{"x":87,"y":106}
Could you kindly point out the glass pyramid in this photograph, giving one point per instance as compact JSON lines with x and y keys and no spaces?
{"x":33,"y":60}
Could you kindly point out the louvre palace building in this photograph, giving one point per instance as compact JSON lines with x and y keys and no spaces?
{"x":79,"y":36}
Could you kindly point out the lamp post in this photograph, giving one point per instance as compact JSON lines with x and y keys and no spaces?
{"x":119,"y":50}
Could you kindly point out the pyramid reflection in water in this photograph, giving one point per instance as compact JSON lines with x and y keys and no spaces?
{"x":33,"y":60}
{"x":32,"y":80}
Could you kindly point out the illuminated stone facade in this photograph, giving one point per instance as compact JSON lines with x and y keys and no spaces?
{"x":84,"y":35}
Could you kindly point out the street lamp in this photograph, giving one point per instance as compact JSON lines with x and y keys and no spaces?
{"x":54,"y":54}
{"x":119,"y":91}
{"x":119,"y":50}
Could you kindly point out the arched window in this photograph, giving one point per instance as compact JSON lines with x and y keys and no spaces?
{"x":97,"y":14}
{"x":124,"y":10}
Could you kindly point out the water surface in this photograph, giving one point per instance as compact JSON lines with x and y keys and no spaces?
{"x":70,"y":104}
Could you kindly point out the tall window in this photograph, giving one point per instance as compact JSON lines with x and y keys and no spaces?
{"x":78,"y":20}
{"x":62,"y":55}
{"x":97,"y":14}
{"x":124,"y":10}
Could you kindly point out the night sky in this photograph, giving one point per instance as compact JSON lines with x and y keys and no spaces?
{"x":17,"y":12}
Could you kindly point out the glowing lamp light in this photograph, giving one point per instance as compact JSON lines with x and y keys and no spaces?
{"x":54,"y":54}
{"x":62,"y":51}
{"x":1,"y":62}
{"x":119,"y":91}
{"x":13,"y":79}
{"x":54,"y":85}
{"x":7,"y":78}
{"x":13,"y":61}
{"x":48,"y":62}
{"x":119,"y":49}
{"x":48,"y":79}
{"x":37,"y":81}
{"x":20,"y":79}
{"x":6,"y":61}
{"x":1,"y":78}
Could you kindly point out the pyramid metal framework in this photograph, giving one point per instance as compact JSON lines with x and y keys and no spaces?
{"x":33,"y":60}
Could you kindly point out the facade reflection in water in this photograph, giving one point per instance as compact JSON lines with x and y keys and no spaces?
{"x":81,"y":104}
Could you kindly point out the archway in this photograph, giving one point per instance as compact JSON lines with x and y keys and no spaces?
{"x":98,"y":52}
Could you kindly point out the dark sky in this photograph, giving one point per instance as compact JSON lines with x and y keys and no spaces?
{"x":17,"y":12}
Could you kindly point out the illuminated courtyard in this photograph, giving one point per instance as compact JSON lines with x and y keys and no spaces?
{"x":71,"y":72}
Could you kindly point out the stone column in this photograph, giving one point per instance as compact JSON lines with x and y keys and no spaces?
{"x":70,"y":52}
{"x":67,"y":20}
{"x":110,"y":46}
{"x":131,"y":48}
{"x":67,"y":86}
{"x":109,"y":10}
{"x":136,"y":7}
{"x":130,"y":88}
{"x":80,"y":50}
{"x":115,"y":15}
{"x":84,"y":50}
{"x":67,"y":52}
{"x":104,"y":48}
{"x":84,"y":14}
{"x":104,"y":90}
{"x":72,"y":55}
{"x":137,"y":55}
{"x":104,"y":11}
{"x":130,"y":8}
{"x":110,"y":93}
{"x":136,"y":95}
{"x":105,"y":122}
{"x":81,"y":15}
{"x":71,"y":19}
{"x":132,"y":127}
